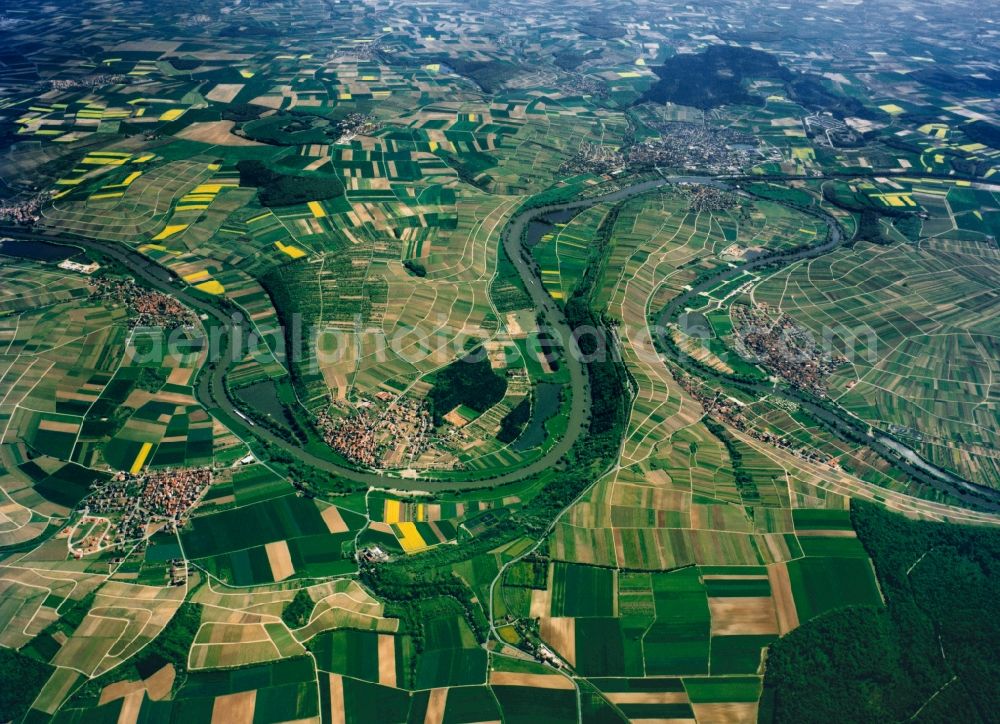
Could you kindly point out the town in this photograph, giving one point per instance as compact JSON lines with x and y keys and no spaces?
{"x":709,"y":198}
{"x":148,"y":308}
{"x":133,"y":501}
{"x":384,"y":433}
{"x":94,"y":81}
{"x":594,"y":158}
{"x":784,"y":347}
{"x":695,"y":147}
{"x":25,"y":212}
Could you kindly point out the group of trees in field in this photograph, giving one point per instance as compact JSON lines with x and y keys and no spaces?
{"x":285,"y":189}
{"x":514,"y":421}
{"x":468,"y":381}
{"x":296,"y":614}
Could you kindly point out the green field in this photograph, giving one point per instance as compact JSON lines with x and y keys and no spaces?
{"x":824,"y":584}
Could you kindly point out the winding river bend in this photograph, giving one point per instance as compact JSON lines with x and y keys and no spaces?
{"x":212,"y":392}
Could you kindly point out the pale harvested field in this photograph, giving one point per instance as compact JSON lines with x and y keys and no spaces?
{"x":729,"y":713}
{"x":270,"y":101}
{"x":560,"y":634}
{"x":280,"y":559}
{"x":737,"y":615}
{"x":435,"y":706}
{"x":216,"y":133}
{"x":541,"y":601}
{"x":58,"y":426}
{"x":180,"y":375}
{"x":826,"y":534}
{"x":234,"y":708}
{"x":119,"y":690}
{"x":160,"y":46}
{"x":129,"y":713}
{"x":453,"y":417}
{"x":536,"y":681}
{"x":784,"y":603}
{"x":337,"y":699}
{"x":334,"y":520}
{"x":138,"y":398}
{"x":159,"y":684}
{"x":387,"y":660}
{"x":224,"y":92}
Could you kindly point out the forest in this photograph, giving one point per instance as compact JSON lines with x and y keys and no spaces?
{"x":717,"y":76}
{"x":929,"y":655}
{"x":22,"y":678}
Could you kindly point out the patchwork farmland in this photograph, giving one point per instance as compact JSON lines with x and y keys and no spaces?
{"x":589,"y":362}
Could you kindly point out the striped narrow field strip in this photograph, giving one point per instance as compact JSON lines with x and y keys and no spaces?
{"x":140,"y":459}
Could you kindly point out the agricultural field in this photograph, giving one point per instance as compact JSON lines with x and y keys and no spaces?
{"x":504,"y":362}
{"x":922,"y":374}
{"x":270,"y":535}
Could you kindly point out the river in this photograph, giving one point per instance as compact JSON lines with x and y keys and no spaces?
{"x":211,"y":390}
